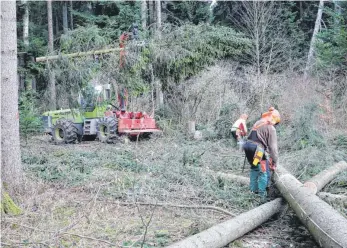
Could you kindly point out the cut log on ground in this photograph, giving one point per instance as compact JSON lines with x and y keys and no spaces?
{"x":235,"y":178}
{"x":79,"y":54}
{"x":318,"y":182}
{"x":327,"y":226}
{"x":224,"y":233}
{"x":332,"y":198}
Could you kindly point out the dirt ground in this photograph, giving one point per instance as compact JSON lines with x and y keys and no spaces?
{"x":112,"y":195}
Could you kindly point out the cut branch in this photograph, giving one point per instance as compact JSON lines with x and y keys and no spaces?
{"x":178,"y":206}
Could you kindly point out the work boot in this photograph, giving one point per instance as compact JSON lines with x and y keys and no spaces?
{"x":263,"y":196}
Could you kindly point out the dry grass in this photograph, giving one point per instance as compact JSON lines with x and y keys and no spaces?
{"x":101,"y":207}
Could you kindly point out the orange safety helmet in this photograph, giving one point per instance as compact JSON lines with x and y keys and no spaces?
{"x":272,"y":115}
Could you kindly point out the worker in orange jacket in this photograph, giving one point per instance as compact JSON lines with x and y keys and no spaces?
{"x":261,"y":151}
{"x":239,"y":128}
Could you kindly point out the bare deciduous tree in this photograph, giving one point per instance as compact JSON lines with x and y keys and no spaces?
{"x":261,"y":21}
{"x":313,"y":39}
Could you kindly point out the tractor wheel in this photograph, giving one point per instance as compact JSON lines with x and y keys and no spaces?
{"x":107,"y":128}
{"x":64,"y":131}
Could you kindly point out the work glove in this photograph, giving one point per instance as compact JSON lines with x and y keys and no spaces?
{"x":272,"y":165}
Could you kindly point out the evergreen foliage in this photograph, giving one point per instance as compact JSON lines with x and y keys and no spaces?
{"x":332,"y":43}
{"x":29,"y":116}
{"x":186,"y":50}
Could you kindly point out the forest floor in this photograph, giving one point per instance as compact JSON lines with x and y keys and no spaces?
{"x":93,"y":195}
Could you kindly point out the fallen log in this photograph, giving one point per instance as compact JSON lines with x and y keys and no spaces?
{"x":325,"y":224}
{"x":235,"y":178}
{"x":222,"y":234}
{"x":78,"y":54}
{"x":318,"y":182}
{"x":332,"y":198}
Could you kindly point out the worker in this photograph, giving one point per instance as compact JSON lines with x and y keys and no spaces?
{"x":122,"y":42}
{"x":134,"y":31}
{"x":262,"y":152}
{"x":239,"y":128}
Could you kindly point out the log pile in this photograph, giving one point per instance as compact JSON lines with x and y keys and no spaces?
{"x":325,"y":224}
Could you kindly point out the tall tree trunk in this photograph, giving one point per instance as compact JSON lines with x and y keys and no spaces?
{"x":313,"y":39}
{"x":25,"y":41}
{"x":151,"y":13}
{"x":301,"y":10}
{"x":56,"y":23}
{"x":26,"y":23}
{"x":21,"y":75}
{"x":143,"y":14}
{"x":71,"y":14}
{"x":51,"y":83}
{"x":11,"y":169}
{"x":65,"y":22}
{"x":158,"y":16}
{"x":159,"y":92}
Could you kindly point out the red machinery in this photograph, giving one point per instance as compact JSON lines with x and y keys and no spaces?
{"x":132,"y":123}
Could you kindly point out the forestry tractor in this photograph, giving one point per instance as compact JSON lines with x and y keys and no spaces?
{"x":102,"y":121}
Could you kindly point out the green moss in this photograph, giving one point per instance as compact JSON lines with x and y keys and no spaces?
{"x":8,"y":206}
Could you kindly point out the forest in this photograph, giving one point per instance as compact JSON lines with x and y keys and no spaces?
{"x":117,"y":119}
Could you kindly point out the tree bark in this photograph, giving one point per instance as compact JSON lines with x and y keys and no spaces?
{"x":26,"y":23}
{"x":65,"y":21}
{"x":310,"y":55}
{"x":332,"y":198}
{"x":325,"y":224}
{"x":11,"y":168}
{"x":143,"y":14}
{"x":158,"y":16}
{"x":222,"y":234}
{"x":51,"y":81}
{"x":50,"y":26}
{"x":71,"y":14}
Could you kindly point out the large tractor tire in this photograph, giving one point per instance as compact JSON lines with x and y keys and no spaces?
{"x":107,"y":128}
{"x":64,"y":131}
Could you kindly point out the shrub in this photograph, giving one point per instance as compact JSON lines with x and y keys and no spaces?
{"x":225,"y":120}
{"x":29,"y":118}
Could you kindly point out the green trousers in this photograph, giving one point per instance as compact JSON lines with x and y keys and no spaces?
{"x":259,"y":180}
